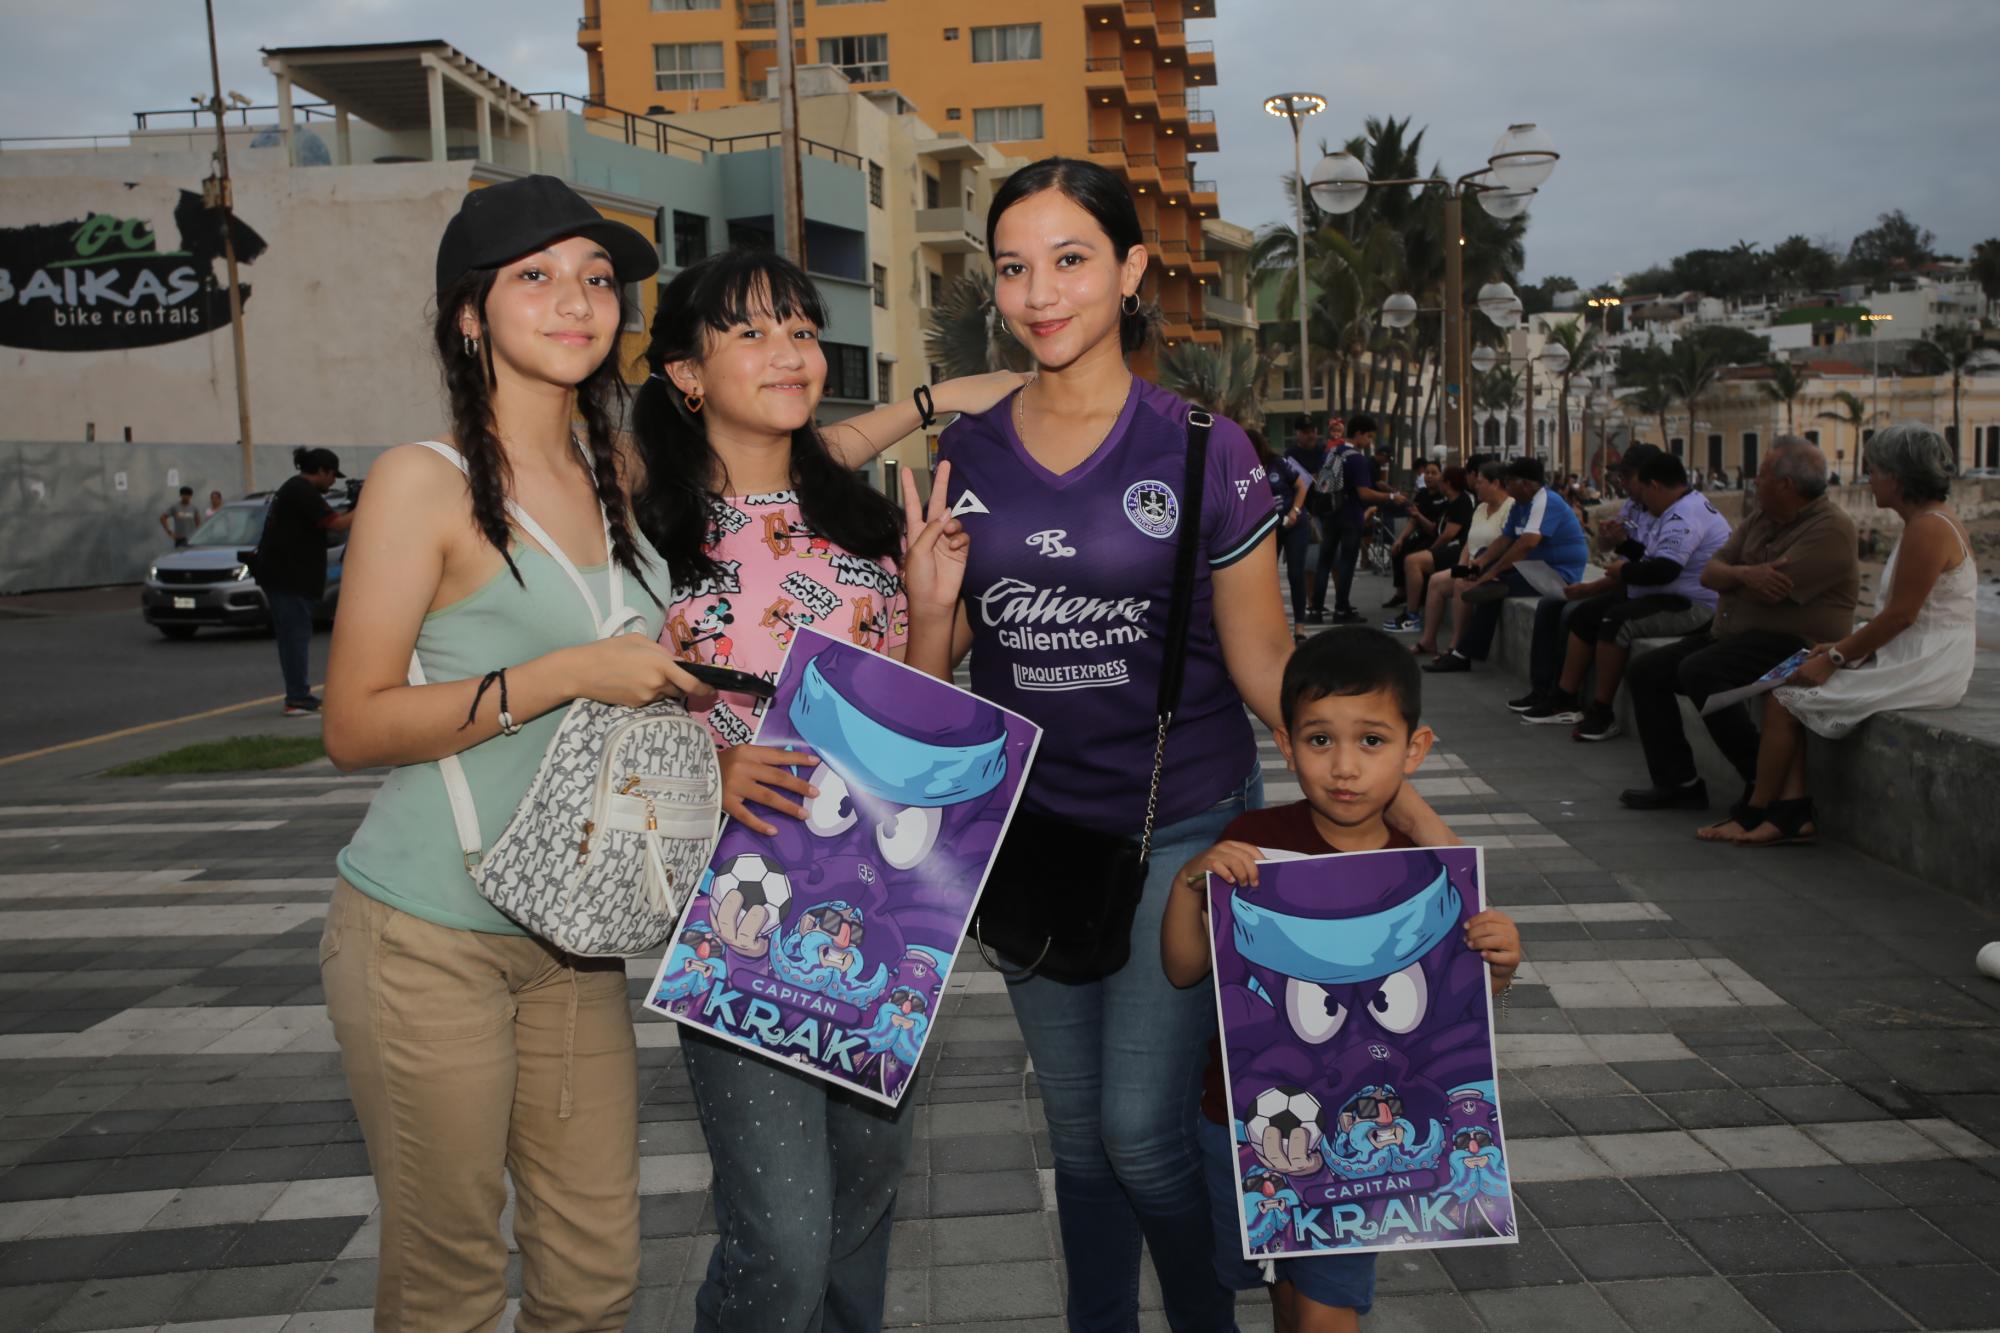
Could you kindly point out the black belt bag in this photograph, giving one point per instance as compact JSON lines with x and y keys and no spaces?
{"x":1060,"y":899}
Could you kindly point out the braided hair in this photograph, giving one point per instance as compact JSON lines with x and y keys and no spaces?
{"x":468,"y":381}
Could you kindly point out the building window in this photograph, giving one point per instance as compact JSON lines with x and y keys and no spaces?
{"x":1679,"y":446}
{"x":1812,"y":437}
{"x":690,"y":238}
{"x":684,"y":6}
{"x":861,"y":59}
{"x":935,"y":286}
{"x":1006,"y":124}
{"x":1750,"y":460}
{"x":847,"y":372}
{"x":1714,"y":456}
{"x":875,"y":184}
{"x":885,"y":380}
{"x":1016,"y":41}
{"x":933,"y":193}
{"x":953,"y":113}
{"x":951,"y":34}
{"x":881,"y":287}
{"x":687,"y":66}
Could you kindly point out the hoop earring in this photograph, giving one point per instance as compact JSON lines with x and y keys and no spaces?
{"x":471,"y":345}
{"x":694,"y":402}
{"x":1130,"y":305}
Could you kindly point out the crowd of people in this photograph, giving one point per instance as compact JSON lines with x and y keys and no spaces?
{"x":477,"y":1051}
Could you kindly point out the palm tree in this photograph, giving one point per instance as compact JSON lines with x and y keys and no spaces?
{"x":1580,"y":341}
{"x":1216,"y":380}
{"x":1855,"y":413}
{"x":1958,"y":352}
{"x":1787,"y":382}
{"x":1496,"y":391}
{"x":1653,"y":400}
{"x":966,"y":335}
{"x":1692,"y":369}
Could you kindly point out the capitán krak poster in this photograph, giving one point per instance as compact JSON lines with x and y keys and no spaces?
{"x":828,"y":945}
{"x":1357,"y":1038}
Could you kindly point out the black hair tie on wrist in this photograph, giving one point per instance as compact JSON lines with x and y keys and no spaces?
{"x":485,"y":684}
{"x":926,"y":405}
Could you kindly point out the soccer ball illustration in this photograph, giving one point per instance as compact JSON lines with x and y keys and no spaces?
{"x":747,"y":902}
{"x":1285,"y":1109}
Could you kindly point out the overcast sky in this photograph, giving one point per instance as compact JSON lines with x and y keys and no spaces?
{"x":1682,"y":123}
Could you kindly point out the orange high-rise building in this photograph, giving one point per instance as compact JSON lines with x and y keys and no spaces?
{"x":1116,"y":81}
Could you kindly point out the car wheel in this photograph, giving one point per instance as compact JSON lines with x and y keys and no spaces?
{"x":176,"y":631}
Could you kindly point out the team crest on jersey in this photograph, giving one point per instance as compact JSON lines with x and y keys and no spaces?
{"x":1152,"y":508}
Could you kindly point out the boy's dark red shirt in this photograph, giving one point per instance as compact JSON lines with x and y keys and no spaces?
{"x":1280,"y":828}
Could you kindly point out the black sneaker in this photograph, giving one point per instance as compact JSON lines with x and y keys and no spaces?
{"x":1525,"y":702}
{"x":1316,"y":615}
{"x":1599,"y":724}
{"x":1348,"y":617}
{"x":1448,"y":662}
{"x":1557,"y":707}
{"x":1397,"y":600}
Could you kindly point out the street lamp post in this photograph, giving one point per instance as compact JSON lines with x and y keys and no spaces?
{"x":1294,"y":107}
{"x":1516,"y":168}
{"x":1871,"y":319}
{"x":223,"y":201}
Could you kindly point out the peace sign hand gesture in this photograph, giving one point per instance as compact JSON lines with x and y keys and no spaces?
{"x":934,"y":559}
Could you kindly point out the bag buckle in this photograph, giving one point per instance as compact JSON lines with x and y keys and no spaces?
{"x":997,"y":965}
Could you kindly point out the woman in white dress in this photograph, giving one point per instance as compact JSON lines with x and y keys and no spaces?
{"x":1915,"y":652}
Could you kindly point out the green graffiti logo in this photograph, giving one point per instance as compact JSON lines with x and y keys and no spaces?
{"x":132,"y":236}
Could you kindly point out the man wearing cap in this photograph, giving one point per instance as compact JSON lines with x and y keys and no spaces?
{"x":291,"y":566}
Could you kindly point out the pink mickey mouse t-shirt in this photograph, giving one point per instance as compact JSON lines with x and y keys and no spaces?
{"x":777,"y":575}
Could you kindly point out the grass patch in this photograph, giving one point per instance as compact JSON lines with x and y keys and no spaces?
{"x":244,"y":753}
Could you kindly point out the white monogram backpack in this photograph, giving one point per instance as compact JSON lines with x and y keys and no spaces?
{"x":617,"y":826}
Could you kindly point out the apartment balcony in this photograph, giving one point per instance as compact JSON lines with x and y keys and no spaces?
{"x":1106,"y":153}
{"x":1142,"y":90}
{"x":1225,"y":311}
{"x":1201,"y":131}
{"x":1203,"y":193}
{"x":1139,"y":16}
{"x":1201,"y":62}
{"x":590,"y":27}
{"x":1143,"y":169}
{"x":1174,"y":176}
{"x":756,"y":14}
{"x":950,"y":231}
{"x":1104,"y":74}
{"x":1199,"y":9}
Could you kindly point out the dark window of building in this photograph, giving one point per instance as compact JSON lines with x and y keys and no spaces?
{"x":933,"y":193}
{"x":885,"y":380}
{"x":1812,"y":437}
{"x":875,"y":184}
{"x":690,"y":238}
{"x":881,"y":287}
{"x":1679,"y":446}
{"x":847,"y":372}
{"x":1715,"y":455}
{"x":936,"y":280}
{"x":951,"y":34}
{"x":953,"y":113}
{"x":1750,"y":459}
{"x":862,"y":59}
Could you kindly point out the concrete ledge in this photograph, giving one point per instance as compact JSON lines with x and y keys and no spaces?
{"x":1912,"y":789}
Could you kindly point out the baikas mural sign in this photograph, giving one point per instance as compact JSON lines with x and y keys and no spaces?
{"x":105,"y":283}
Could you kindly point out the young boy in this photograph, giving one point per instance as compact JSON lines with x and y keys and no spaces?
{"x":1350,"y":699}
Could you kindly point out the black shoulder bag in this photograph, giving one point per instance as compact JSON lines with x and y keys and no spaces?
{"x":1060,"y":899}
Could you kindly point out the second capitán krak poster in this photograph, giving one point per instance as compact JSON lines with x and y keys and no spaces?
{"x":1357,"y":1038}
{"x":828,"y":945}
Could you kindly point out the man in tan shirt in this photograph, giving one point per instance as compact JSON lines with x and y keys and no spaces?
{"x":1788,"y":578}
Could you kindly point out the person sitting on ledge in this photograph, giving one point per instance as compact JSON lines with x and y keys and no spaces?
{"x":1914,"y":652}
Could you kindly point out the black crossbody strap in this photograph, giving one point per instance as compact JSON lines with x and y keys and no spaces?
{"x":1180,"y":611}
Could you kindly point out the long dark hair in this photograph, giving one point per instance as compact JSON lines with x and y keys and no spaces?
{"x":1097,"y":191}
{"x":685,"y":478}
{"x":469,"y":379}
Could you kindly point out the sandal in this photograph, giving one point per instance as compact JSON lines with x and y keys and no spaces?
{"x":1786,"y":824}
{"x":1743,"y":816}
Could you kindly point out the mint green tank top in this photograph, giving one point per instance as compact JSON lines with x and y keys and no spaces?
{"x":406,"y":851}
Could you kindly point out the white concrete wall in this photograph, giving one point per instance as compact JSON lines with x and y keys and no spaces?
{"x":337,"y":321}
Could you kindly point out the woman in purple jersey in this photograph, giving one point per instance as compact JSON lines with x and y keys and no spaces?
{"x":1070,"y":491}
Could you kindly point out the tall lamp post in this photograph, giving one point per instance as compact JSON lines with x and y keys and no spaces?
{"x":218,"y":195}
{"x":1515,"y":170}
{"x":1293,"y":108}
{"x":1497,"y":301}
{"x":1871,"y":319}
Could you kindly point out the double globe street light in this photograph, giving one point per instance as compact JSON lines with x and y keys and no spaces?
{"x":1523,"y":158}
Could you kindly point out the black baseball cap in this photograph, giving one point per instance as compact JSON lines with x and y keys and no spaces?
{"x":1527,"y":469}
{"x":500,"y":223}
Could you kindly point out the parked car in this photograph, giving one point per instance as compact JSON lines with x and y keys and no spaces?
{"x":207,"y":582}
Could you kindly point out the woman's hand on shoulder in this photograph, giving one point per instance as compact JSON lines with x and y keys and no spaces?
{"x":627,"y":669}
{"x":976,"y":393}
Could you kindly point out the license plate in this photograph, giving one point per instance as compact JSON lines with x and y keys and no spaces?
{"x":183,"y":603}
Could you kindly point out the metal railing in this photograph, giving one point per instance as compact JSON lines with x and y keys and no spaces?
{"x":1142,"y":160}
{"x":1106,"y":146}
{"x":1201,"y":48}
{"x":1173,"y":101}
{"x":1171,"y":27}
{"x":197,"y":116}
{"x":592,"y":17}
{"x":1099,"y":64}
{"x":1200,"y":186}
{"x":758,"y":15}
{"x":1145,"y":6}
{"x":1197,"y":116}
{"x":1174,"y":175}
{"x":666,"y":137}
{"x":1150,"y":235}
{"x":1143,"y":82}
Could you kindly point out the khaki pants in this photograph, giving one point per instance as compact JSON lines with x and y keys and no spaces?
{"x":471,"y":1057}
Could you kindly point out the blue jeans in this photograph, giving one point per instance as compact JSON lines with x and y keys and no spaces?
{"x":1120,"y":1063}
{"x":1339,"y":552}
{"x":805,"y":1191}
{"x":1296,"y":543}
{"x":292,"y":626}
{"x":1483,"y":622}
{"x":1549,"y":644}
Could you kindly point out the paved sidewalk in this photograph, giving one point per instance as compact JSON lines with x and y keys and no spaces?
{"x":1743,"y":1090}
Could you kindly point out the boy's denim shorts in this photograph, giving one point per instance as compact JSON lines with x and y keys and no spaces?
{"x":1341,"y":1281}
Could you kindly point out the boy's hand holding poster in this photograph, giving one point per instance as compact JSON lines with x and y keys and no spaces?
{"x":1357,"y":1034}
{"x":828,"y":944}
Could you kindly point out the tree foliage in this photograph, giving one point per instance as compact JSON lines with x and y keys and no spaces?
{"x":1894,"y":242}
{"x":966,"y":335}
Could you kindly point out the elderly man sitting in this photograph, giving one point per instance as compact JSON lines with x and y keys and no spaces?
{"x":1787,"y":578}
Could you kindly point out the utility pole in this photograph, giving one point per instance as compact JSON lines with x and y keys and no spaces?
{"x":218,"y":197}
{"x":1455,"y":406}
{"x":792,"y":226}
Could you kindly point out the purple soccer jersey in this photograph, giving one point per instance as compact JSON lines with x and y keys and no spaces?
{"x":1357,"y":1038}
{"x":1068,"y":589}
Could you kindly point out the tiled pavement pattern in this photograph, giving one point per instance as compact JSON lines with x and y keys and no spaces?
{"x":1743,"y":1090}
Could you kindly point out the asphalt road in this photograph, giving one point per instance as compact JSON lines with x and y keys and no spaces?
{"x":73,"y":673}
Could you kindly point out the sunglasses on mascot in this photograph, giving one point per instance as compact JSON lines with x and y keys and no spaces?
{"x":694,"y":935}
{"x":1368,"y":1104}
{"x":1469,"y":1139}
{"x":902,"y":997}
{"x":831,"y":918}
